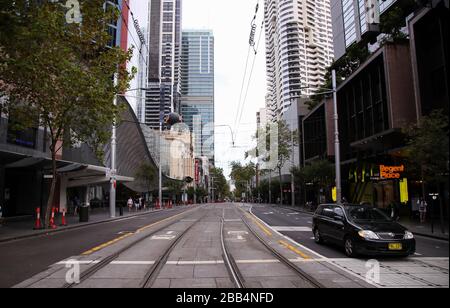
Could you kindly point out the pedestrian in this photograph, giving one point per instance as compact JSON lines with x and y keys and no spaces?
{"x":130,"y":204}
{"x":136,"y":204}
{"x":422,"y":209}
{"x":76,"y":203}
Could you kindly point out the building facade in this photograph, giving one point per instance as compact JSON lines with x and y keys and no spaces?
{"x":401,"y":81}
{"x":299,"y":49}
{"x":164,"y":41}
{"x":197,"y":89}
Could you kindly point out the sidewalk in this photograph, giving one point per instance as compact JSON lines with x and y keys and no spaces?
{"x":425,"y":229}
{"x":20,"y":229}
{"x":414,"y":226}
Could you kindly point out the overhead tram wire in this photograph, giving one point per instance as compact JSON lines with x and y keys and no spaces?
{"x":250,"y":79}
{"x":131,"y":34}
{"x":241,"y":104}
{"x":251,"y":45}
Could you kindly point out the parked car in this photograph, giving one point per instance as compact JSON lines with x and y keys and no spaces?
{"x":362,"y":230}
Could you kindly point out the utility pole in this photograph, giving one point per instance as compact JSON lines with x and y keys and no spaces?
{"x":292,"y":174}
{"x":337,"y":147}
{"x":113,"y":179}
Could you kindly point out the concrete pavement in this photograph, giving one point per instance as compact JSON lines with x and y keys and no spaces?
{"x":428,"y":268}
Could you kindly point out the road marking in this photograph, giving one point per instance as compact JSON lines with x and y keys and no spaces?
{"x":232,"y":220}
{"x":261,"y":226}
{"x":293,"y":214}
{"x":292,"y":229}
{"x":114,"y":241}
{"x":294,"y":249}
{"x":313,"y":252}
{"x":132,"y":262}
{"x":257,"y":261}
{"x":82,"y":262}
{"x":165,"y":237}
{"x":268,"y":213}
{"x":195,"y":262}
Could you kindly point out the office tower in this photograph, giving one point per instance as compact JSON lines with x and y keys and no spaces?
{"x":197,"y":89}
{"x":162,"y":95}
{"x":299,"y":49}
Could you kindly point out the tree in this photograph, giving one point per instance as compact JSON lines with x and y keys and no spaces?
{"x":222,"y":189}
{"x":59,"y":75}
{"x":175,"y":188}
{"x":241,"y":176}
{"x":285,"y":143}
{"x":320,"y":173}
{"x":428,"y":148}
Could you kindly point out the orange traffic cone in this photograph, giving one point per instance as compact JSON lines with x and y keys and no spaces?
{"x":37,"y":224}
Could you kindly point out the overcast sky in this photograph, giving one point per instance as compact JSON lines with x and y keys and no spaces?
{"x":230,"y":22}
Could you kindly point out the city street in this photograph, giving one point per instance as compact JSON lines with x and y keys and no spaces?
{"x":24,"y":258}
{"x":429,"y":264}
{"x":225,"y":246}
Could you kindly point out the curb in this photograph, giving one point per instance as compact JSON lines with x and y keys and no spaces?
{"x":62,"y":229}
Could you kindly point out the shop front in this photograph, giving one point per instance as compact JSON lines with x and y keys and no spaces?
{"x":379,"y":184}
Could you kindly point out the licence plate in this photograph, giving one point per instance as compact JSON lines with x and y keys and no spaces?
{"x":395,"y":246}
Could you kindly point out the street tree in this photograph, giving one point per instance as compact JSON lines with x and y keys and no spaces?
{"x":221,"y":186}
{"x":58,"y":73}
{"x":320,"y":174}
{"x":241,"y":176}
{"x":285,"y":143}
{"x":428,"y":148}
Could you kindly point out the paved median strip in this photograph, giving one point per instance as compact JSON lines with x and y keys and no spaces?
{"x":294,"y":249}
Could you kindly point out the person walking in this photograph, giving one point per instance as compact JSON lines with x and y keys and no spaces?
{"x":422,"y":210}
{"x":130,"y":204}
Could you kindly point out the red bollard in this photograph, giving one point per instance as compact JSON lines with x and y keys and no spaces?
{"x":37,"y":224}
{"x":157,"y":204}
{"x":63,"y":219}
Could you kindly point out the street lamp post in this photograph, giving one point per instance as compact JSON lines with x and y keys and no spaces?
{"x":337,"y":146}
{"x":113,"y":179}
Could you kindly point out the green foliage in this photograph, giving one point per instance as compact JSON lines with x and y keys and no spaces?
{"x":175,"y":188}
{"x":222,"y":189}
{"x":58,"y":75}
{"x":241,"y":176}
{"x":428,"y":146}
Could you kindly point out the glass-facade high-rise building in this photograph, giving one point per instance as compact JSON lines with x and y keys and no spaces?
{"x":197,"y":88}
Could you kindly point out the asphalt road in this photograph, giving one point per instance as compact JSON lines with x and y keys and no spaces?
{"x":22,"y":259}
{"x":282,"y":217}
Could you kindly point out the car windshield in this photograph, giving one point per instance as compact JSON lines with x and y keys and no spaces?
{"x":364,"y":213}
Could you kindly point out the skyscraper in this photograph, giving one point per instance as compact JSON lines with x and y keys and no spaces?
{"x":197,"y":88}
{"x":299,"y":48}
{"x":163,"y":90}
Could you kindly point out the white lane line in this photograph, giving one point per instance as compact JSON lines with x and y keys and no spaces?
{"x":195,"y":262}
{"x":292,"y":229}
{"x":257,"y":261}
{"x":133,"y":262}
{"x":73,"y":262}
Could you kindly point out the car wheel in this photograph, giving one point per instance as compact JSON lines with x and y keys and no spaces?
{"x":349,"y":247}
{"x":317,"y":237}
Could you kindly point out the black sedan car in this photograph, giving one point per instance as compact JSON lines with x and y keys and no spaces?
{"x":362,"y":230}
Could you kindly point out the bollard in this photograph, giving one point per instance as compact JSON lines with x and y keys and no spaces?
{"x":63,"y":218}
{"x":52,"y":219}
{"x":37,"y":223}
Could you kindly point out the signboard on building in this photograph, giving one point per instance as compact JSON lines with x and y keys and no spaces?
{"x":391,"y":172}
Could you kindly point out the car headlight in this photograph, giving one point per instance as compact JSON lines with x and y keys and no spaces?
{"x":368,"y":235}
{"x":408,"y":235}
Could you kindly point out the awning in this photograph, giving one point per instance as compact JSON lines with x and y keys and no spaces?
{"x":79,"y":175}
